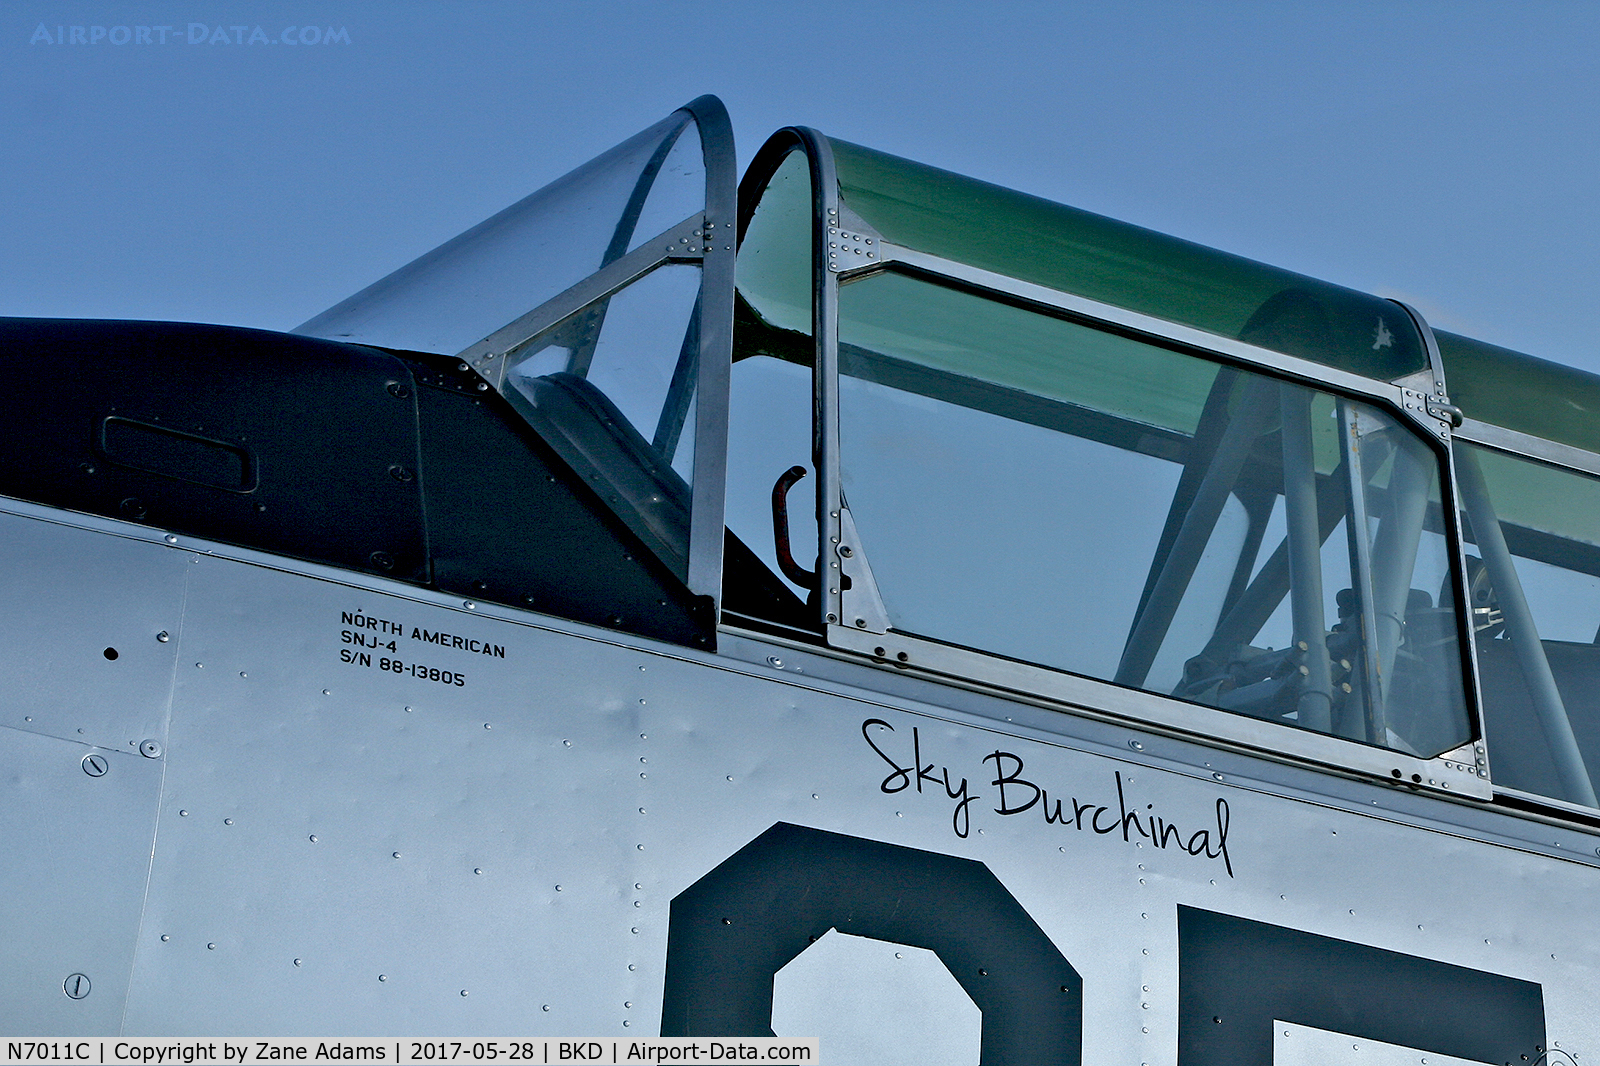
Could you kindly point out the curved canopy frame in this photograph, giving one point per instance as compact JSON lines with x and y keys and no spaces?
{"x":490,"y":296}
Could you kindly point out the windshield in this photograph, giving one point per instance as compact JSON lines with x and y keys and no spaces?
{"x":483,"y":279}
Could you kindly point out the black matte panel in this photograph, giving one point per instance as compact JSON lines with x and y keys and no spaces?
{"x":187,"y":457}
{"x":402,"y":464}
{"x":736,"y":927}
{"x":510,"y":522}
{"x":332,"y":446}
{"x":1236,"y":976}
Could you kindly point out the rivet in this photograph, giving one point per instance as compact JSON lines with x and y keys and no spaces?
{"x":383,"y":977}
{"x":163,"y":636}
{"x":313,"y":838}
{"x":545,"y":1007}
{"x":297,"y":962}
{"x":171,"y":538}
{"x":1135,"y":745}
{"x":211,"y":947}
{"x":183,"y":814}
{"x":227,"y":821}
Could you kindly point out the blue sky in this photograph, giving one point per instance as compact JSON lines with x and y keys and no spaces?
{"x":1444,"y":153}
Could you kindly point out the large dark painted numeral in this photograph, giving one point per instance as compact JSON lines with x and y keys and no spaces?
{"x":736,"y":927}
{"x":732,"y":930}
{"x":1236,"y":976}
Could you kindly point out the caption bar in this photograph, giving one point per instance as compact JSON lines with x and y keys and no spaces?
{"x":391,"y":1051}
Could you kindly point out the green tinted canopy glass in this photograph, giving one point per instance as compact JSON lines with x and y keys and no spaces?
{"x":1517,"y":391}
{"x":1034,"y":240}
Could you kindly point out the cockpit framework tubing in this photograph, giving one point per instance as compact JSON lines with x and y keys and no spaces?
{"x":852,"y":613}
{"x":705,"y":238}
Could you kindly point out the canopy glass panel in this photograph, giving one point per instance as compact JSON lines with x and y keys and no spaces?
{"x":1049,"y":492}
{"x":1034,"y":240}
{"x":1533,"y":564}
{"x":479,"y":281}
{"x":1516,"y":391}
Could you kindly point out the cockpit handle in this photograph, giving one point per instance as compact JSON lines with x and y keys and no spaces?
{"x":806,"y":579}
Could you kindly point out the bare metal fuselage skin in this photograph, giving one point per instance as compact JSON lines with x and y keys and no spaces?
{"x":491,"y":836}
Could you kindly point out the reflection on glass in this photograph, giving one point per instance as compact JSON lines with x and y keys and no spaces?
{"x":677,"y":186}
{"x":639,"y":348}
{"x":1533,"y":564}
{"x":774,"y":267}
{"x":1063,"y":496}
{"x":612,"y":389}
{"x":492,"y":274}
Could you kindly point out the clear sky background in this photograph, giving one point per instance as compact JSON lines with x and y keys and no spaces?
{"x":1442,"y":152}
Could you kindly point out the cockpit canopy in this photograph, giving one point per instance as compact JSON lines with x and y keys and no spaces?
{"x":952,"y":429}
